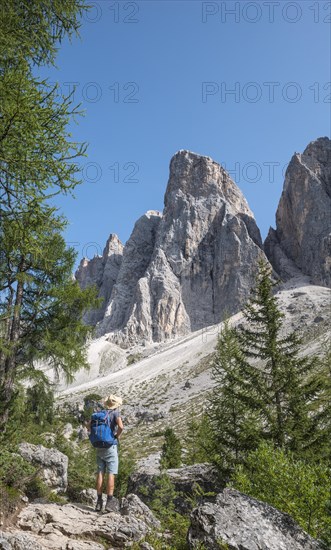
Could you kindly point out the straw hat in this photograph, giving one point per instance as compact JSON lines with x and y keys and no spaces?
{"x":113,"y":402}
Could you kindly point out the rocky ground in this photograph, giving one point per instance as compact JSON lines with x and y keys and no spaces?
{"x":218,"y":517}
{"x":78,"y":527}
{"x":232,"y":520}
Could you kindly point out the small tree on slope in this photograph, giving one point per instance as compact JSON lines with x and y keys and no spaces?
{"x":263,"y":386}
{"x":274,"y":368}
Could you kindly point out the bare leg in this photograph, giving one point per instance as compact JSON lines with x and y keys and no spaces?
{"x":100,"y":476}
{"x":110,"y":484}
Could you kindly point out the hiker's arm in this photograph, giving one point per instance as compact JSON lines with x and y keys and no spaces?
{"x":119,"y":427}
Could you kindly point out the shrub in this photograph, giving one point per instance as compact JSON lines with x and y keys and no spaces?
{"x":291,"y":485}
{"x":81,"y":467}
{"x":133,"y":358}
{"x":198,"y":440}
{"x":89,"y":404}
{"x":14,"y":470}
{"x":40,"y":403}
{"x":162,"y":503}
{"x":126,"y":467}
{"x":10,"y":499}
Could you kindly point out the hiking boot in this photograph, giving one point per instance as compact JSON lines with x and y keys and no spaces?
{"x":111,"y":505}
{"x":99,"y":504}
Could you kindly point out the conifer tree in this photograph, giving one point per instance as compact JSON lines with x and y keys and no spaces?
{"x":41,"y":305}
{"x":263,"y":386}
{"x":320,"y":409}
{"x":275,"y":374}
{"x":171,"y":456}
{"x":197,"y":439}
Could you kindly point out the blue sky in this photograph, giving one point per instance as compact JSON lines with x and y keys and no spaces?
{"x":156,"y":76}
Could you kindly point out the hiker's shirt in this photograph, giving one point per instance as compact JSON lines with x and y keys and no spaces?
{"x":113,"y":416}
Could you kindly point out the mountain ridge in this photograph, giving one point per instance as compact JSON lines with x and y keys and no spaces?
{"x":191,"y":265}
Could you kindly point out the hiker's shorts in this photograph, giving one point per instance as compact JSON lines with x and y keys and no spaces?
{"x":107,"y":460}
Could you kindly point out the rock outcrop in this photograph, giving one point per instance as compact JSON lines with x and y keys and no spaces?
{"x":186,"y":269}
{"x":102,"y":272}
{"x":52,"y":463}
{"x":78,"y":527}
{"x":301,"y":242}
{"x":243,"y":523}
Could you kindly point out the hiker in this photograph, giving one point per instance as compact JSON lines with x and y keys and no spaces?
{"x":107,"y":458}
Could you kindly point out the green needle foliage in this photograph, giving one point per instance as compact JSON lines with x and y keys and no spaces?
{"x":171,"y":455}
{"x":41,"y":305}
{"x":275,"y":373}
{"x":320,"y":428}
{"x":264,"y":388}
{"x":197,"y":439}
{"x":234,"y":427}
{"x":32,"y":30}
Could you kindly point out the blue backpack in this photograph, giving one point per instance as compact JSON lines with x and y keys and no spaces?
{"x":102,"y":436}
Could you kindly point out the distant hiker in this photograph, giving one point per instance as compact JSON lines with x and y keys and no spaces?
{"x":106,"y":428}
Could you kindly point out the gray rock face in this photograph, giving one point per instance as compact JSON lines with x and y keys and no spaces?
{"x":102,"y":272}
{"x":78,"y":527}
{"x":53,"y":464}
{"x":184,"y":271}
{"x":132,"y":505}
{"x":244,"y":523}
{"x":136,"y":258}
{"x":302,"y":239}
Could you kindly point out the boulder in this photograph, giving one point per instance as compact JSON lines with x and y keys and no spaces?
{"x":89,"y":497}
{"x":190,"y":483}
{"x":240,"y":522}
{"x":301,"y":242}
{"x":82,"y":433}
{"x":52,"y":463}
{"x":132,"y":505}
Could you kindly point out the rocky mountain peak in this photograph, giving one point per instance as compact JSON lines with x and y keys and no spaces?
{"x":200,"y":177}
{"x":113,"y":246}
{"x":183,"y":269}
{"x":320,"y":150}
{"x":101,"y":271}
{"x":301,"y":242}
